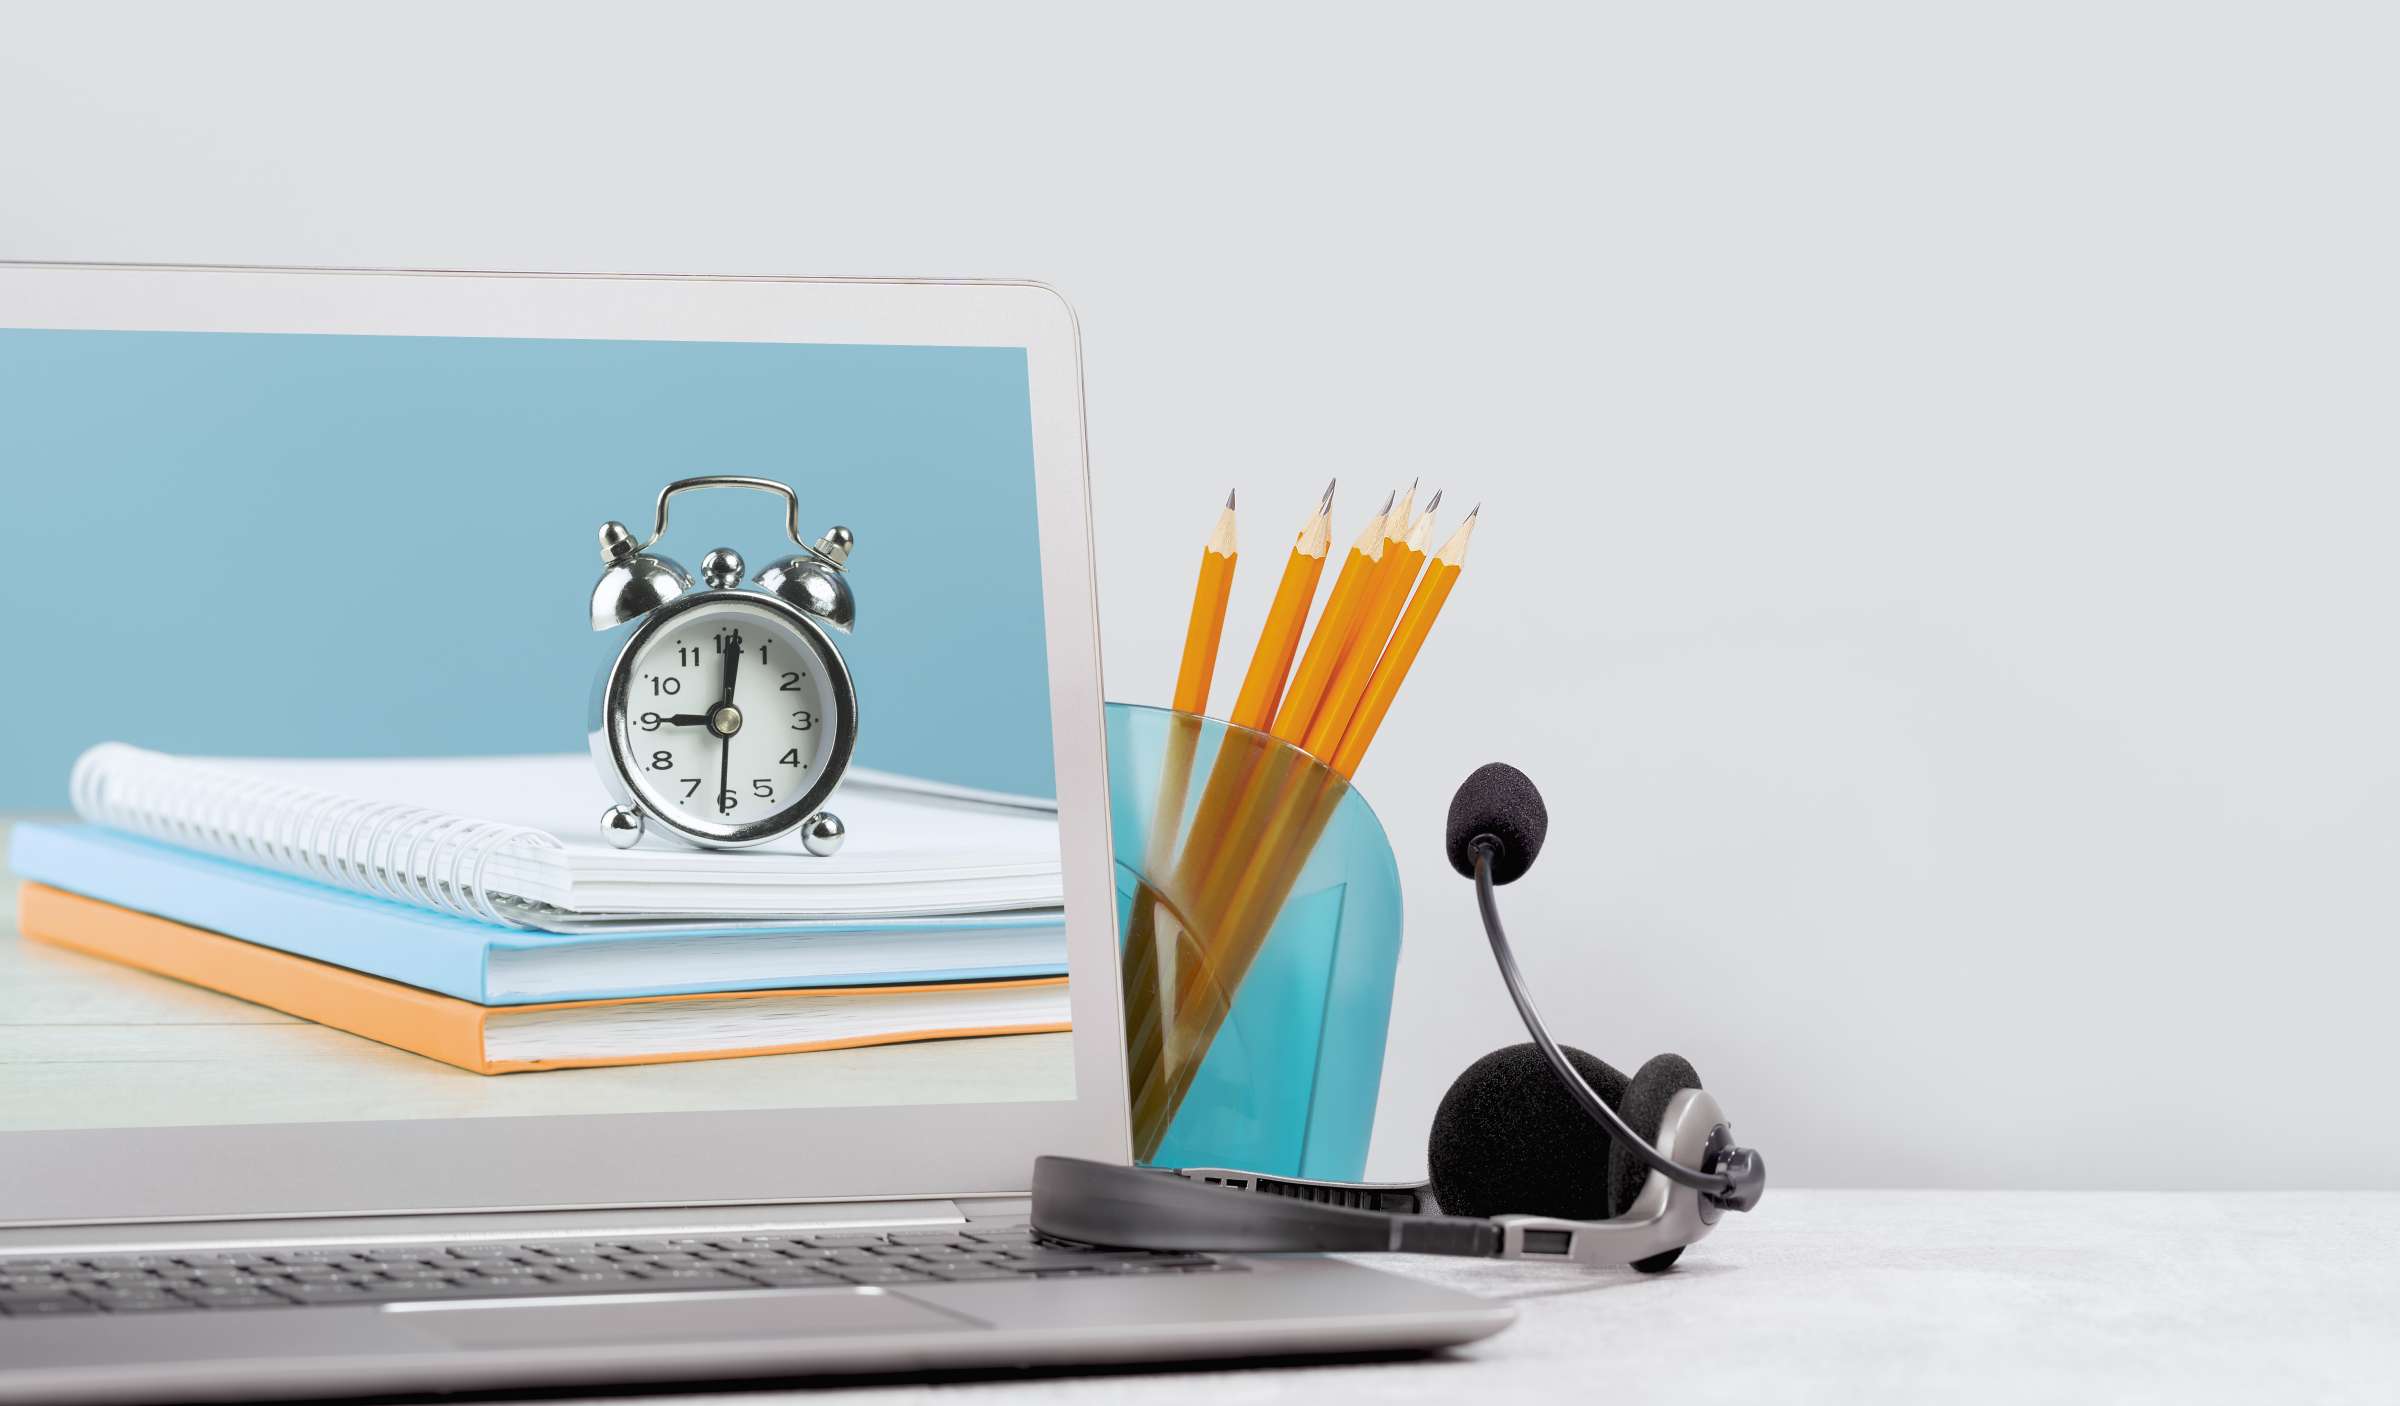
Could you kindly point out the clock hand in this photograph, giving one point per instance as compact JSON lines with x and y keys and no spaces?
{"x":685,"y":720}
{"x":733,"y":662}
{"x":725,"y":776}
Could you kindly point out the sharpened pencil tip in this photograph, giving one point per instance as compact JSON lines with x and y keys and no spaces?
{"x":1229,"y":500}
{"x":1435,"y":501}
{"x":1475,"y":512}
{"x":1325,"y":504}
{"x":1389,"y":499}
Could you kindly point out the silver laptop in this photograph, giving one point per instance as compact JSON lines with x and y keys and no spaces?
{"x":340,"y":513}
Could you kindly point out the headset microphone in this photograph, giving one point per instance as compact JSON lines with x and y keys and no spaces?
{"x":1648,"y":1168}
{"x":1497,"y":808}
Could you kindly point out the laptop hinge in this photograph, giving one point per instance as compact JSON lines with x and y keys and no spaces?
{"x":454,"y":1226}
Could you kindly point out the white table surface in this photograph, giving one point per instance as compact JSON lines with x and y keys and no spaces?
{"x":1871,"y":1296}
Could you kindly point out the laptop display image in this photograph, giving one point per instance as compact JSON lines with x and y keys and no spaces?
{"x":372,"y":672}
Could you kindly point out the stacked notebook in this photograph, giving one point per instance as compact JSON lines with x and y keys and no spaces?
{"x":465,"y":909}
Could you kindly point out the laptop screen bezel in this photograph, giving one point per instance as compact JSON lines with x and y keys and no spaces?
{"x":81,"y":1176}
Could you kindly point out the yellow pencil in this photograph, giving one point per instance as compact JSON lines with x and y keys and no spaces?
{"x":1389,"y":593}
{"x":1317,"y":663}
{"x":1279,"y":640}
{"x":1395,"y":532}
{"x":1392,"y":669}
{"x":1207,"y":626}
{"x":1145,"y":967}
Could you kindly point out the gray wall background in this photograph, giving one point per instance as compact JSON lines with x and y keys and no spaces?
{"x":1939,"y":462}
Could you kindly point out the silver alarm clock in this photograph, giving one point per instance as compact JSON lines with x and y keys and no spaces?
{"x":726,"y":715}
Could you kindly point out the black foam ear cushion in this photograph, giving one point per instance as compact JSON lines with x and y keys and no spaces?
{"x":1644,"y":1109}
{"x":1509,"y":1139}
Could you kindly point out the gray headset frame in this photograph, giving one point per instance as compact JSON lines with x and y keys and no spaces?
{"x":1216,"y":1208}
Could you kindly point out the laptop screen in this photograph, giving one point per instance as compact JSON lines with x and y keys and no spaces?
{"x":334,"y":804}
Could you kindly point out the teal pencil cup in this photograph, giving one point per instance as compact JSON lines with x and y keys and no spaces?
{"x":1258,"y":918}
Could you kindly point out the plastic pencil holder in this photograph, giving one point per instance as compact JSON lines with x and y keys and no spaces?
{"x":1258,"y":917}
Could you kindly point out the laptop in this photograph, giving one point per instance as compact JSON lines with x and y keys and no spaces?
{"x":338,"y":513}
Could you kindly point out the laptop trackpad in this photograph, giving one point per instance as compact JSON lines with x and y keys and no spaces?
{"x":680,"y":1318}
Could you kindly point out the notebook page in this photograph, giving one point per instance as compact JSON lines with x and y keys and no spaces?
{"x":892,"y":832}
{"x":911,"y":849}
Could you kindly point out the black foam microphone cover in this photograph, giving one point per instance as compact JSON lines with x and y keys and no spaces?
{"x":1500,"y":801}
{"x":1509,"y":1139}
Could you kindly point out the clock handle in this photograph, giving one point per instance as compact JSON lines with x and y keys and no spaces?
{"x":791,"y":507}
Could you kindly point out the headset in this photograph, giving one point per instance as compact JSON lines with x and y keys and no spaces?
{"x":1537,"y":1152}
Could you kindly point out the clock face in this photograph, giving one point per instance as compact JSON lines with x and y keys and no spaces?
{"x":728,"y":718}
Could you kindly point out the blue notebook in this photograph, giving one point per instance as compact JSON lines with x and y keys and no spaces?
{"x":499,"y":966}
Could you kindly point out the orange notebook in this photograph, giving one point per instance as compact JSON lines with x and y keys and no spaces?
{"x":557,"y":1035}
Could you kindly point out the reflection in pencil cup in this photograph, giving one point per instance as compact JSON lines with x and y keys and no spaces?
{"x":1259,"y":916}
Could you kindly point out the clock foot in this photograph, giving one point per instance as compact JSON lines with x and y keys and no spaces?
{"x":822,"y":833}
{"x":621,"y":826}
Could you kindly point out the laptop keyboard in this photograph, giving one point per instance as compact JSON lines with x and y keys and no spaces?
{"x":173,"y":1281}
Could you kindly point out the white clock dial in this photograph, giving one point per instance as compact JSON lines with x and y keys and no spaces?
{"x":727,"y":715}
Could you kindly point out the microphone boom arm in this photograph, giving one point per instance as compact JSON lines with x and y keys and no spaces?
{"x":1743,"y":1178}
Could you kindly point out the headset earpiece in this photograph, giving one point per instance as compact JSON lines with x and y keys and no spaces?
{"x":1509,"y":1139}
{"x":1644,"y":1106}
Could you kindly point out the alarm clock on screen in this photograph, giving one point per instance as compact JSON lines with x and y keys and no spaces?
{"x":725,"y":716}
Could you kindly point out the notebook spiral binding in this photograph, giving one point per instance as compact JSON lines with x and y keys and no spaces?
{"x":408,"y":854}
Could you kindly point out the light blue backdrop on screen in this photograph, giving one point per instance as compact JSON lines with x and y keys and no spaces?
{"x":377,"y":546}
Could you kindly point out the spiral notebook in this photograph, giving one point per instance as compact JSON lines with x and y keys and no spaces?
{"x":514,"y":840}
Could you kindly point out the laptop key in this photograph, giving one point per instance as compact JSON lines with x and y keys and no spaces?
{"x":224,"y":1257}
{"x":691,"y":1279}
{"x":1048,"y":1257}
{"x":47,"y":1307}
{"x":330,"y":1293}
{"x":881,"y":1274}
{"x":971,"y":1269}
{"x":794,"y":1278}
